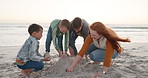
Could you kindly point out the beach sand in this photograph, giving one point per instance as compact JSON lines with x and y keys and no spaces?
{"x":133,"y":63}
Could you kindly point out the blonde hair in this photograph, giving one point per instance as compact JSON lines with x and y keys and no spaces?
{"x":111,"y":36}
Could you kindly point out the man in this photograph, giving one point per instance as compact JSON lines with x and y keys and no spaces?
{"x":79,"y":27}
{"x":58,"y":28}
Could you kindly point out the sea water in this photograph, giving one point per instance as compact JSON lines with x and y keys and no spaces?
{"x":16,"y":34}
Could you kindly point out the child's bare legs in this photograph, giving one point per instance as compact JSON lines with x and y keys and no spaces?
{"x":26,"y":72}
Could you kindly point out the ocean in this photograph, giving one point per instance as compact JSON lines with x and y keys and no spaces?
{"x":16,"y":34}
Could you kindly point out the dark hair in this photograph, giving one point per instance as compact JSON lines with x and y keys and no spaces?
{"x":34,"y":28}
{"x":65,"y":23}
{"x":76,"y":23}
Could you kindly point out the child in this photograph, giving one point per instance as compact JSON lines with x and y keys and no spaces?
{"x":28,"y":58}
{"x":55,"y":32}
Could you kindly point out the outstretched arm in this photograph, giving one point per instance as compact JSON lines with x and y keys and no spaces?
{"x":76,"y":61}
{"x":81,"y":53}
{"x":55,"y":42}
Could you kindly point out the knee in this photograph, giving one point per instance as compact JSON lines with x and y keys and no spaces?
{"x":40,"y":66}
{"x":92,"y":57}
{"x":96,"y":58}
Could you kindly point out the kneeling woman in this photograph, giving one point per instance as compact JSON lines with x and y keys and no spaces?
{"x":102,"y":45}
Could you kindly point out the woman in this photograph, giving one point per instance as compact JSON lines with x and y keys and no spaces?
{"x":102,"y":45}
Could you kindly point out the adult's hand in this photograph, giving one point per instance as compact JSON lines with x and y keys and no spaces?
{"x":76,"y":61}
{"x":70,"y":68}
{"x":97,"y":75}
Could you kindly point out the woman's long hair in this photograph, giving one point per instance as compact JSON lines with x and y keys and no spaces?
{"x":111,"y":36}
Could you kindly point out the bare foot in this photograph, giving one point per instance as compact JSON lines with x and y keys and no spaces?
{"x":25,"y":73}
{"x":96,"y":63}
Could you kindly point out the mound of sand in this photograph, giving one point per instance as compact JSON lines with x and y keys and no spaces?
{"x":83,"y":70}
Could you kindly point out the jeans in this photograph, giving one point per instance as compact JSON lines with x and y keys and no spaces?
{"x":73,"y":37}
{"x":49,"y":39}
{"x":97,"y":54}
{"x":35,"y":66}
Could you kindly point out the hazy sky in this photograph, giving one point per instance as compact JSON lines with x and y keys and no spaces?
{"x":44,"y":11}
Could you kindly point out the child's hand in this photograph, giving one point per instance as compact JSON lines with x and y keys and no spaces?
{"x":47,"y":59}
{"x":47,"y":55}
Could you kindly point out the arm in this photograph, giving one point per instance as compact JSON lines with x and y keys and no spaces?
{"x":55,"y":41}
{"x":108,"y":54}
{"x":38,"y":54}
{"x":82,"y":52}
{"x":85,"y":46}
{"x":60,"y":53}
{"x":33,"y":52}
{"x":52,"y":27}
{"x":85,"y":30}
{"x":107,"y":60}
{"x":66,"y":45}
{"x":74,"y":63}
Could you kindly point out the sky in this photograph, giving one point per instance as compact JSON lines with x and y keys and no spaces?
{"x":44,"y":11}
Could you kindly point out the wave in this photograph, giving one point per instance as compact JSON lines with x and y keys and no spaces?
{"x":130,"y":27}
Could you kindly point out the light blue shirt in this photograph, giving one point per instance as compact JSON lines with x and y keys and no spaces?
{"x":29,"y":51}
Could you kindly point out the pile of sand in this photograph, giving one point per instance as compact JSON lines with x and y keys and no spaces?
{"x":83,"y":70}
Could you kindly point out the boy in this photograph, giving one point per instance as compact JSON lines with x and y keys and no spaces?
{"x":79,"y":27}
{"x":28,"y":58}
{"x":55,"y":32}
